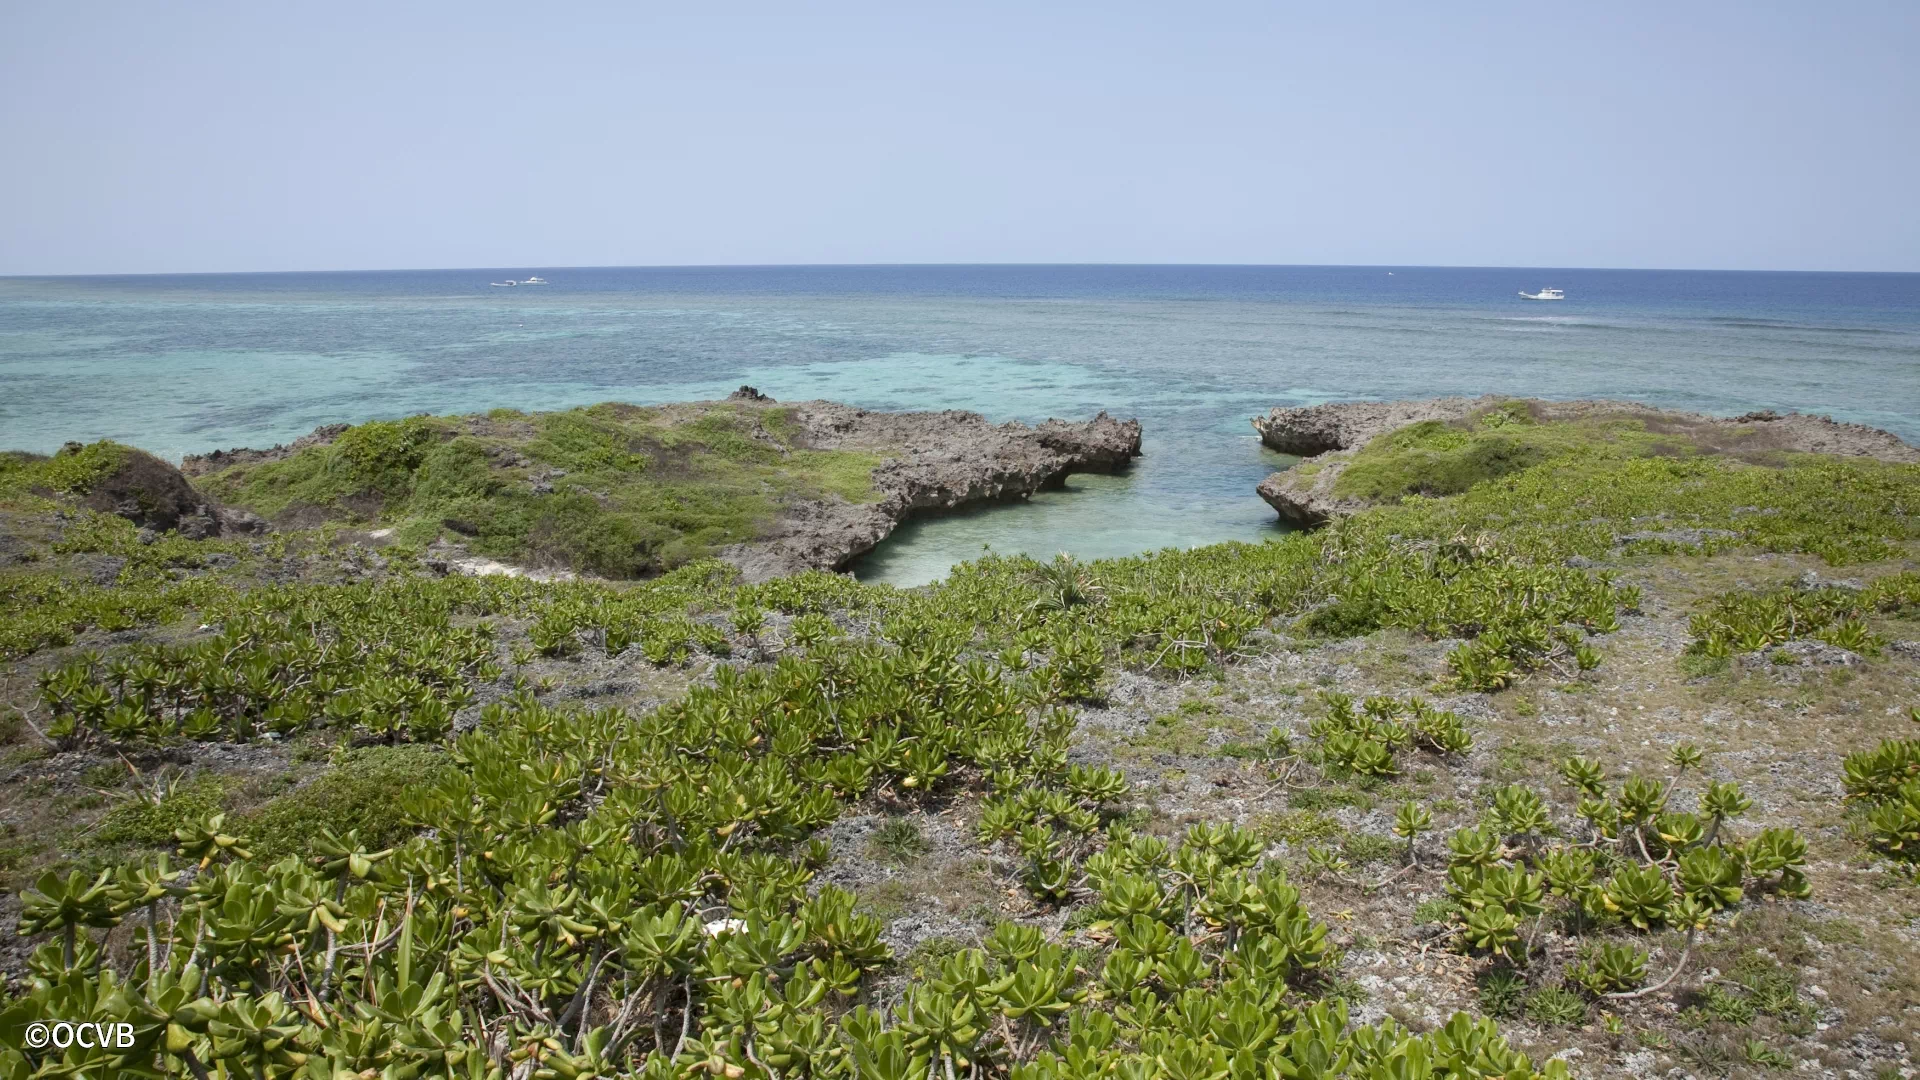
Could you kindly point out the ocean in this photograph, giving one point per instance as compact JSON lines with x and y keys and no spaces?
{"x":189,"y":363}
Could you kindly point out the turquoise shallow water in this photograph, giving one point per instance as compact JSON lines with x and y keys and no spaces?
{"x":184,"y":364}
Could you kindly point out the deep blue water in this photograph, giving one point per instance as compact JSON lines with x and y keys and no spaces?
{"x":182,"y":364}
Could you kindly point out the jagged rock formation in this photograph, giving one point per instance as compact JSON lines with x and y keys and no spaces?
{"x":202,"y":464}
{"x":1329,"y":435}
{"x":936,"y":461}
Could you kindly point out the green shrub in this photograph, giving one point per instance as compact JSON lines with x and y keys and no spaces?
{"x":363,"y":792}
{"x":899,"y":839}
{"x":452,"y":471}
{"x":1502,"y":991}
{"x":380,"y":456}
{"x":1748,"y":621}
{"x":1557,"y":1006}
{"x":149,"y":822}
{"x":69,"y":472}
{"x":1887,"y":781}
{"x":580,"y":440}
{"x":1435,"y":458}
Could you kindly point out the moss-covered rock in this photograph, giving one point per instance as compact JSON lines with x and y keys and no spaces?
{"x":114,"y":479}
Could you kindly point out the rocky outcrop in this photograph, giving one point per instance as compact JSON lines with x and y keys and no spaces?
{"x":1328,"y":436}
{"x":1305,"y":498}
{"x":934,"y":461}
{"x":1320,"y":429}
{"x":153,"y":495}
{"x":202,"y":464}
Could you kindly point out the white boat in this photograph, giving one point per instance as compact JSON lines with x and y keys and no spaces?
{"x":507,"y":284}
{"x":535,"y":281}
{"x":1544,"y":294}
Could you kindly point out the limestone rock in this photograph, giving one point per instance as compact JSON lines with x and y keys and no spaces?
{"x":202,"y":464}
{"x":937,"y":460}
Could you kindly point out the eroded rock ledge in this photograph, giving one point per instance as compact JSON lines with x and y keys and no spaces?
{"x":1329,"y":435}
{"x":929,"y":461}
{"x":936,"y":461}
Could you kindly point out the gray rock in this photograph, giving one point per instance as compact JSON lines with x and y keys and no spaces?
{"x":1811,"y":580}
{"x":938,"y":461}
{"x":1800,"y":654}
{"x":235,"y":520}
{"x":202,"y":464}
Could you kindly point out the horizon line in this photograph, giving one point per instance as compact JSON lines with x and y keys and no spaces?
{"x":934,"y":265}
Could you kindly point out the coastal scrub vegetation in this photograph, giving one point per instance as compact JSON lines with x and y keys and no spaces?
{"x":1439,"y":457}
{"x":73,"y":472}
{"x":615,"y":490}
{"x":489,"y":878}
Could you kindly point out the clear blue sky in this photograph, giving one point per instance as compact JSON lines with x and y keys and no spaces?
{"x":198,"y":136}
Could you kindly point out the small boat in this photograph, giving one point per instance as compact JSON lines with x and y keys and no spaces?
{"x":535,"y":281}
{"x":507,"y":284}
{"x":1544,"y":294}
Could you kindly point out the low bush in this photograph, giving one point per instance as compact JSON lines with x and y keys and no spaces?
{"x":150,"y":818}
{"x":364,"y":793}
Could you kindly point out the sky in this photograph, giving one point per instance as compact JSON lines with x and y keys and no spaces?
{"x":207,"y":136}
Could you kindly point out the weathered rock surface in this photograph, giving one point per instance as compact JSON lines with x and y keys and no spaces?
{"x":1329,"y":435}
{"x":936,"y":461}
{"x":202,"y":464}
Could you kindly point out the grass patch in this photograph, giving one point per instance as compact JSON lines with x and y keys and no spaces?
{"x":1696,"y":665}
{"x":925,"y":959}
{"x":1447,"y":457}
{"x":361,"y":792}
{"x":1557,"y":1006}
{"x":899,"y":840}
{"x":1329,"y":798}
{"x":612,"y":489}
{"x":1521,"y":758}
{"x":1361,"y":849}
{"x":1187,"y":728}
{"x":72,"y":471}
{"x":1296,"y":827}
{"x":144,"y":822}
{"x":1502,"y":992}
{"x":887,"y":900}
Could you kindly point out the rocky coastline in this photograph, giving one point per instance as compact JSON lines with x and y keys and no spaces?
{"x":1328,"y":436}
{"x":937,"y":461}
{"x":931,"y":461}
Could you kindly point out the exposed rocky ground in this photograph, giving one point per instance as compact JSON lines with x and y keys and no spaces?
{"x":1229,"y":745}
{"x":1778,"y":727}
